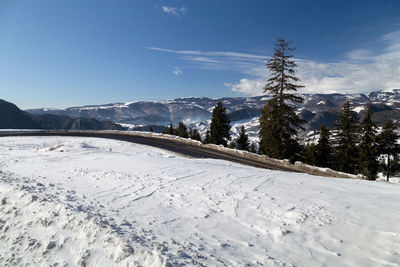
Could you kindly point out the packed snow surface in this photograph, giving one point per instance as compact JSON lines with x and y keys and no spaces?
{"x":97,"y":202}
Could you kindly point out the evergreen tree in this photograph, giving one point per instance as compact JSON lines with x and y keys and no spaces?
{"x":207,"y":137}
{"x":279,"y":122}
{"x":310,"y":154}
{"x":220,"y":126}
{"x":346,"y":154}
{"x":243,"y":142}
{"x":194,"y":134}
{"x":151,"y":128}
{"x":270,"y":142}
{"x":181,"y":130}
{"x":323,"y":150}
{"x":253,"y":148}
{"x":170,"y":129}
{"x":388,"y":145}
{"x":368,"y":163}
{"x":394,"y":166}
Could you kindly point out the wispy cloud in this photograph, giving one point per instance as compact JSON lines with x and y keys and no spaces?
{"x":201,"y":59}
{"x":245,"y":63}
{"x":209,"y":53}
{"x":174,"y":11}
{"x":362,"y":70}
{"x":177,"y":71}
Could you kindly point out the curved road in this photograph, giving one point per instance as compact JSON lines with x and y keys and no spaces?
{"x":170,"y":145}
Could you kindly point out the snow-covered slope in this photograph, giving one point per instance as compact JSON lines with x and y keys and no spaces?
{"x":104,"y":203}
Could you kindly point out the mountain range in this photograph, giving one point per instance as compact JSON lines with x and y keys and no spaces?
{"x":316,"y":110}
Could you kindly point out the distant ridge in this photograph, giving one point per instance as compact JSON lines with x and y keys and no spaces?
{"x":11,"y":117}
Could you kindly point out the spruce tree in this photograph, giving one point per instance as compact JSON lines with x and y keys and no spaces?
{"x":310,"y":154}
{"x":388,"y":145}
{"x":151,"y":128}
{"x":278,"y":122}
{"x":243,"y":142}
{"x":194,"y":134}
{"x":181,"y":130}
{"x":270,"y":141}
{"x":368,"y":163}
{"x":253,"y":148}
{"x":170,"y":129}
{"x":207,"y":137}
{"x":323,"y":150}
{"x":346,"y":154}
{"x":220,"y":126}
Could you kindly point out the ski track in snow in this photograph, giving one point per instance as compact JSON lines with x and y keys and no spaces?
{"x":97,"y":202}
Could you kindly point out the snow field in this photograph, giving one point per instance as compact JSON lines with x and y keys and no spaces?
{"x":36,"y":231}
{"x":98,"y":202}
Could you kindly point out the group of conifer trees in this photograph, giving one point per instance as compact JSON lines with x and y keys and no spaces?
{"x":182,"y":131}
{"x":219,"y":132}
{"x":355,"y":146}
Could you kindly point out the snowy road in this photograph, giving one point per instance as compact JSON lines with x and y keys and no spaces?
{"x":102,"y":202}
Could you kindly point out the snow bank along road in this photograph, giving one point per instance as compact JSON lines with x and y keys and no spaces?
{"x":189,"y":148}
{"x":68,"y":201}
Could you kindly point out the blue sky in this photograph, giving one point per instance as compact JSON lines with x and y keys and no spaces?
{"x":73,"y":52}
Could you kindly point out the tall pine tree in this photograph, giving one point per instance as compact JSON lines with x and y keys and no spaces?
{"x":346,"y":154}
{"x":243,"y":142}
{"x":368,"y":163}
{"x":388,"y":145}
{"x":279,"y":122}
{"x":323,"y":150}
{"x":220,"y":126}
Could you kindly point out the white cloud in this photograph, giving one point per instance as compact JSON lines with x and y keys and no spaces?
{"x":177,"y":71}
{"x":174,"y":11}
{"x":363,"y":73}
{"x":247,"y":86}
{"x":359,"y":54}
{"x":363,"y":70}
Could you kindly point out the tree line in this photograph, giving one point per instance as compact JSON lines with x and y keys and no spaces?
{"x":356,"y":147}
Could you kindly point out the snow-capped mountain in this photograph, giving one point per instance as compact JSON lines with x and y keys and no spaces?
{"x":317,"y":109}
